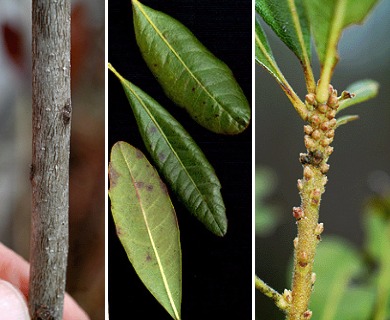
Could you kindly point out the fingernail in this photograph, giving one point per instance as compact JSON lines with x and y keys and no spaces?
{"x":12,"y":302}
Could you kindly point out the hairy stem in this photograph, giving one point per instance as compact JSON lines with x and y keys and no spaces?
{"x":279,"y":300}
{"x":319,"y":134}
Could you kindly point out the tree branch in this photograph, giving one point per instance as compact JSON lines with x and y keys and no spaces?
{"x":51,"y":106}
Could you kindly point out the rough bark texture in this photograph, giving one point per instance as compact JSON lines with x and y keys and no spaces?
{"x":50,"y":156}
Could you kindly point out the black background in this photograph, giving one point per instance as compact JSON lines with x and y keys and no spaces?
{"x":217,"y":272}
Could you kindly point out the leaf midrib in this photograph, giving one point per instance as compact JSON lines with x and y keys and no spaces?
{"x":183,"y":63}
{"x":125,"y":82}
{"x":161,"y":268}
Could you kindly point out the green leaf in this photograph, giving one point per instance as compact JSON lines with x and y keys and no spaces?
{"x":336,"y":263}
{"x":264,"y":57}
{"x":178,"y":158}
{"x":357,"y":304}
{"x":363,"y":90}
{"x":263,"y":54}
{"x":267,"y":216}
{"x":190,"y":75}
{"x":377,"y":222}
{"x":328,"y":18}
{"x":146,"y":224}
{"x":345,"y":119}
{"x":288,"y":19}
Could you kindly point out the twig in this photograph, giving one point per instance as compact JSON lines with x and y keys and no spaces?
{"x":275,"y":296}
{"x":50,"y":157}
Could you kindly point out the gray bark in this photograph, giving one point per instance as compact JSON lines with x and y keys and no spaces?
{"x":51,"y":114}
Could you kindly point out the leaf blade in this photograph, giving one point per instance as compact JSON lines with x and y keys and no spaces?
{"x":179,"y":159}
{"x":336,"y":263}
{"x":363,"y":90}
{"x":146,"y":224}
{"x":264,"y":55}
{"x":207,"y":90}
{"x":288,"y":20}
{"x":333,"y":16}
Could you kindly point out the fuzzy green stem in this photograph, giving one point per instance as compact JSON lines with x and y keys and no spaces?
{"x":319,"y":134}
{"x":308,"y":238}
{"x":275,"y":296}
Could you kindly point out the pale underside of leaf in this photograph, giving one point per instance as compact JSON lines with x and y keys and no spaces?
{"x":146,"y":224}
{"x":264,"y":54}
{"x":345,"y":119}
{"x":328,"y":19}
{"x":189,"y":74}
{"x":362,"y":90}
{"x":179,"y":159}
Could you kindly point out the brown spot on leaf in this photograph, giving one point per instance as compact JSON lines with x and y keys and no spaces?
{"x":163,"y":187}
{"x":149,"y":187}
{"x":148,"y":257}
{"x":139,"y":154}
{"x":162,"y":156}
{"x":152,"y":129}
{"x":113,"y":175}
{"x":139,"y":184}
{"x":119,"y":231}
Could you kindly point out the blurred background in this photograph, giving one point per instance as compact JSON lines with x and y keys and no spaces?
{"x":85,"y":279}
{"x":359,"y":166}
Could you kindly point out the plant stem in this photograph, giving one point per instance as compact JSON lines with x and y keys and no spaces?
{"x":319,"y":134}
{"x":331,"y":56}
{"x":308,"y":71}
{"x":275,"y":296}
{"x":51,"y":113}
{"x":307,"y":240}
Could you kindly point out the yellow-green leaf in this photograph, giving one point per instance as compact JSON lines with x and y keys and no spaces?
{"x":146,"y":224}
{"x":362,"y":90}
{"x":190,"y":75}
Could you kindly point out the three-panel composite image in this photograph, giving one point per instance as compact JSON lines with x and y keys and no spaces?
{"x":190,"y":159}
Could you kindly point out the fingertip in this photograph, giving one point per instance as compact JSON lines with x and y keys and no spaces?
{"x":72,"y":311}
{"x":12,"y":302}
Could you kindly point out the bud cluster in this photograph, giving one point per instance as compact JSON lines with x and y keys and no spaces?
{"x":319,"y":133}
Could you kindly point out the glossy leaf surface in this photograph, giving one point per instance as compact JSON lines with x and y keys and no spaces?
{"x":363,"y":91}
{"x":328,"y":18}
{"x":179,"y":159}
{"x":289,"y":21}
{"x":190,"y":75}
{"x":146,"y":224}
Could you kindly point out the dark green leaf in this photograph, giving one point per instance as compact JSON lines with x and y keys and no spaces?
{"x":179,"y":159}
{"x":288,"y":19}
{"x":189,"y":74}
{"x":146,"y":225}
{"x":363,"y":90}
